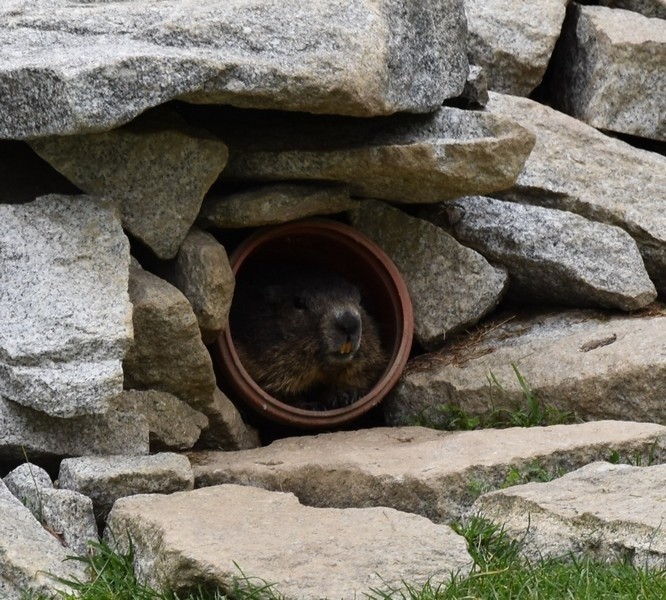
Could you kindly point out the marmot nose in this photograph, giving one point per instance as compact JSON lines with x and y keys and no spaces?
{"x":348,"y":323}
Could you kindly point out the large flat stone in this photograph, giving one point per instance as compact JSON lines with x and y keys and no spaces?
{"x":273,"y":204}
{"x":208,"y":536}
{"x":66,"y":314}
{"x":156,"y":169}
{"x":406,"y":158}
{"x":597,"y":177}
{"x":592,"y":364}
{"x":609,"y":70}
{"x":602,"y":510}
{"x":419,"y":470}
{"x":513,"y":40}
{"x":554,"y":256}
{"x":450,"y":285}
{"x":72,"y":68}
{"x":31,"y":557}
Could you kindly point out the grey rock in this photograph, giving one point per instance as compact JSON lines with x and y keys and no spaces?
{"x":602,"y":510}
{"x":648,"y":8}
{"x":96,"y":65}
{"x":65,"y":310}
{"x":27,"y":431}
{"x":598,"y":177}
{"x":31,"y":557}
{"x":451,"y":286}
{"x":513,"y":41}
{"x":226,"y":429}
{"x":173,"y":424}
{"x":610,"y":70}
{"x":65,"y":514}
{"x":156,"y":169}
{"x":27,"y":478}
{"x":475,"y":92}
{"x":555,"y":256}
{"x":202,"y":272}
{"x":273,"y":204}
{"x":307,"y":553}
{"x":405,"y":158}
{"x":168,"y":354}
{"x":589,"y":363}
{"x":104,"y":479}
{"x":436,"y":474}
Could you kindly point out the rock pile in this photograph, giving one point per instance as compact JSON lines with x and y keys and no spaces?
{"x":140,"y":141}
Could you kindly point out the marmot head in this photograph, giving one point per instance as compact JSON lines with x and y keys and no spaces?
{"x":320,"y":313}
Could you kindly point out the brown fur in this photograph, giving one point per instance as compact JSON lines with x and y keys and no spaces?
{"x":303,"y":336}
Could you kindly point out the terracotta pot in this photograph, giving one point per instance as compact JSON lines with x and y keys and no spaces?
{"x":341,"y":248}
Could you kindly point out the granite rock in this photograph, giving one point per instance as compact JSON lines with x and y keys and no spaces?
{"x":66,"y":314}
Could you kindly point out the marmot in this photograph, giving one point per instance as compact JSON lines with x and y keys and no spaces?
{"x":303,"y":336}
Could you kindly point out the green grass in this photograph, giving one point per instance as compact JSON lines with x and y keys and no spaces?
{"x":499,"y":573}
{"x":529,"y":411}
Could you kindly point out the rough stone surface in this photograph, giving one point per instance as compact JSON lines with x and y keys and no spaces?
{"x":406,"y":158}
{"x":93,"y":66}
{"x":65,"y":514}
{"x":173,"y":424}
{"x":29,"y":553}
{"x":603,"y":510}
{"x":609,"y":70}
{"x":155,"y":169}
{"x":592,"y":364}
{"x":450,"y":285}
{"x":202,"y":272}
{"x":419,"y":470}
{"x":104,"y":479}
{"x":273,"y":204}
{"x":66,"y":315}
{"x":648,"y":8}
{"x":226,"y":429}
{"x":168,"y":353}
{"x":554,"y":256}
{"x":513,"y":40}
{"x":23,"y":430}
{"x":307,"y":553}
{"x":475,"y":92}
{"x":597,"y":177}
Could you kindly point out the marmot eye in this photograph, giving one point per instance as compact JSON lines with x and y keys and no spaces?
{"x":299,"y":303}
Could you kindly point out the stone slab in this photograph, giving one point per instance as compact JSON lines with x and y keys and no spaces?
{"x":91,"y":66}
{"x":404,"y":158}
{"x":432,"y":473}
{"x":598,"y":177}
{"x":66,"y":314}
{"x":554,"y":256}
{"x":587,"y":363}
{"x":27,"y":431}
{"x":208,"y":535}
{"x":602,"y":510}
{"x":104,"y":479}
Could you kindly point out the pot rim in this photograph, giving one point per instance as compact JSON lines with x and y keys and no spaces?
{"x":402,"y":312}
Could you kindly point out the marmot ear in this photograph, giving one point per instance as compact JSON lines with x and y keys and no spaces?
{"x":273,"y":294}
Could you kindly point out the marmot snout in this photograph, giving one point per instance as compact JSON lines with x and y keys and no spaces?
{"x":304,"y":337}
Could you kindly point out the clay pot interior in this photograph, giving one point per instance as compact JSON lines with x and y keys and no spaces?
{"x":341,"y":248}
